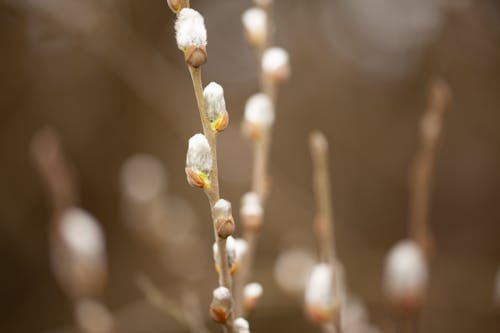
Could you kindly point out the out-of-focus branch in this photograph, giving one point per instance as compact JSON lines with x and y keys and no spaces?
{"x":54,"y":169}
{"x":421,"y":171}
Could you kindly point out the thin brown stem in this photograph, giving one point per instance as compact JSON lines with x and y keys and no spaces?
{"x":54,"y":169}
{"x":324,"y":219}
{"x":251,"y":236}
{"x":421,"y":172}
{"x":213,"y":191}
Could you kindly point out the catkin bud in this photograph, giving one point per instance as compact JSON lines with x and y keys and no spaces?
{"x":235,"y":250}
{"x":275,"y":64}
{"x":79,"y":254}
{"x":251,"y":211}
{"x":221,"y":305}
{"x":191,"y":36}
{"x":405,"y":276}
{"x":255,"y":24}
{"x":258,"y":117}
{"x":198,"y":161}
{"x":216,"y":106}
{"x":224,"y":222}
{"x":177,"y":5}
{"x":252,"y":293}
{"x":241,"y":325}
{"x":322,"y":303}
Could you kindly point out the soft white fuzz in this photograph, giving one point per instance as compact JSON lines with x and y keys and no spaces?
{"x":214,"y":100}
{"x":319,"y":289}
{"x":199,"y":155}
{"x":259,"y":110}
{"x":142,"y":177}
{"x":253,"y":290}
{"x":81,"y":232}
{"x":222,"y":209}
{"x":241,"y":324}
{"x":275,"y":59}
{"x":251,"y":205}
{"x":235,"y":249}
{"x":221,"y":294}
{"x":190,"y":29}
{"x":405,"y":270}
{"x":255,"y":23}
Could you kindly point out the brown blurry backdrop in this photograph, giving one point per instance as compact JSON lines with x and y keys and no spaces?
{"x":107,"y":75}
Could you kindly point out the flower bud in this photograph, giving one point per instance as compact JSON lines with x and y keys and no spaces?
{"x":251,"y":211}
{"x":221,"y":305}
{"x":255,"y":24}
{"x":235,"y":250}
{"x":259,"y":116}
{"x":79,"y":254}
{"x":177,"y":5}
{"x":216,"y":106}
{"x":405,"y":275}
{"x":252,"y":293}
{"x":191,"y":36}
{"x":241,"y":325}
{"x":198,"y":161}
{"x":275,"y":64}
{"x":224,"y":222}
{"x":321,"y":300}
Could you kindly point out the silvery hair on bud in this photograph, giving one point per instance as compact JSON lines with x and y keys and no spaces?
{"x":253,"y":290}
{"x":251,"y":205}
{"x":405,"y":269}
{"x":254,"y":21}
{"x":214,"y":100}
{"x":190,"y":29}
{"x":274,"y":58}
{"x":221,"y":294}
{"x":259,"y":110}
{"x":241,"y":324}
{"x":222,"y":209}
{"x":199,"y":154}
{"x":82,"y":233}
{"x":319,"y":289}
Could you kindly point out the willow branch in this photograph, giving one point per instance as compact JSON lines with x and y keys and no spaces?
{"x":421,"y":171}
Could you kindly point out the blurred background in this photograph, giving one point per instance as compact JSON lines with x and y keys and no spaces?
{"x":107,"y":75}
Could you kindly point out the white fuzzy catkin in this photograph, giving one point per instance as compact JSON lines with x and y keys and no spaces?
{"x":251,"y":205}
{"x":199,"y":155}
{"x":253,"y":290}
{"x":222,"y":209}
{"x":143,"y":177}
{"x":274,"y":59}
{"x":319,"y":289}
{"x":255,"y":23}
{"x":259,"y":110}
{"x":235,"y":249}
{"x":190,"y":29}
{"x":405,"y":270}
{"x":214,"y":100}
{"x":221,"y":294}
{"x":82,"y":233}
{"x":241,"y":324}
